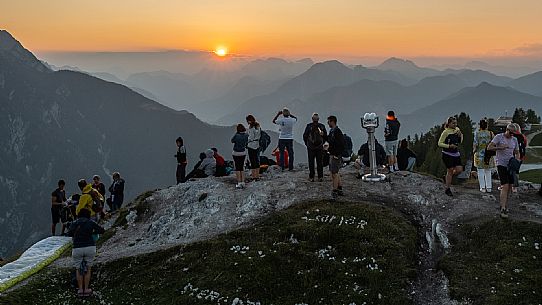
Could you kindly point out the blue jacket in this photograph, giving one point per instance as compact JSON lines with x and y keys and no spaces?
{"x":82,"y":230}
{"x":240,"y":142}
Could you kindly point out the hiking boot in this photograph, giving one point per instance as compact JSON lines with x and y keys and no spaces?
{"x":87,"y":292}
{"x":320,"y":179}
{"x":504,"y":213}
{"x":334,"y":194}
{"x":340,"y":193}
{"x":448,"y":192}
{"x":238,"y":186}
{"x":311,"y":179}
{"x":391,"y":169}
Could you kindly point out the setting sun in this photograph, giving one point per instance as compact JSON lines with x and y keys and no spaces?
{"x":221,"y":51}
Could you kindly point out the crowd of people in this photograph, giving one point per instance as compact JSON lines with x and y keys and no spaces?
{"x":327,"y":146}
{"x":79,"y":215}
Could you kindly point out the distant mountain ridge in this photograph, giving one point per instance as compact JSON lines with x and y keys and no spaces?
{"x":71,"y":125}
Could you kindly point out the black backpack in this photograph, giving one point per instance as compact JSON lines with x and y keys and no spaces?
{"x":348,"y":146}
{"x":264,"y":141}
{"x":315,"y":139}
{"x":522,"y":146}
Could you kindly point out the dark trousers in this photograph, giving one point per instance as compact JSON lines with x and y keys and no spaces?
{"x":288,"y":145}
{"x":318,"y":155}
{"x":181,"y":172}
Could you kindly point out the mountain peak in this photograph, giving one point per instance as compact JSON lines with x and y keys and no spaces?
{"x":12,"y":49}
{"x":394,"y":62}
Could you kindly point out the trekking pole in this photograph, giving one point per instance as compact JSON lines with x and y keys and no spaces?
{"x":370,"y":122}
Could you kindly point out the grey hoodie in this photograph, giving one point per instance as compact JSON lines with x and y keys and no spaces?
{"x":208,"y":165}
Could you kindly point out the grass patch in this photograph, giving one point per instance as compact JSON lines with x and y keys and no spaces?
{"x":139,"y":204}
{"x":363,"y":254}
{"x":496,"y":263}
{"x":534,"y":155}
{"x":537,"y":140}
{"x":533,"y":175}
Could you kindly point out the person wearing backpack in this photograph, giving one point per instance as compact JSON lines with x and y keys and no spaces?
{"x":315,"y":136}
{"x":391,"y":136}
{"x":84,"y":248}
{"x":240,"y":142}
{"x":90,"y":199}
{"x":506,"y":147}
{"x":286,"y":136}
{"x":117,"y":191}
{"x":254,"y":135}
{"x":482,"y":138}
{"x":335,"y":147}
{"x":181,"y":160}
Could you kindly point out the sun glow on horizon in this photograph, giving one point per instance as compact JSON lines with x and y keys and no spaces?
{"x":221,"y":51}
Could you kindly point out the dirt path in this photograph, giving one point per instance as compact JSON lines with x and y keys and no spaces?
{"x":202,"y":209}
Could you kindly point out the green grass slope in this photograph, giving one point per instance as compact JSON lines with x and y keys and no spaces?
{"x":315,"y":253}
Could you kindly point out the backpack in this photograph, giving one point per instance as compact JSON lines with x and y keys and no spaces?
{"x":522,"y":145}
{"x":348,"y":146}
{"x":264,"y":141}
{"x":315,"y":139}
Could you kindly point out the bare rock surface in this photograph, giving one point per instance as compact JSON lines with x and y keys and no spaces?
{"x":202,"y":209}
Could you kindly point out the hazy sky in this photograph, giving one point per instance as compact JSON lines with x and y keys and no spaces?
{"x":282,"y":27}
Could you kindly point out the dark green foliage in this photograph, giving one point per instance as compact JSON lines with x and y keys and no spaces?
{"x":284,"y":272}
{"x":531,"y":117}
{"x":496,"y":263}
{"x":536,"y":141}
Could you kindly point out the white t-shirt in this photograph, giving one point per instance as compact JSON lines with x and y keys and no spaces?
{"x":286,"y":127}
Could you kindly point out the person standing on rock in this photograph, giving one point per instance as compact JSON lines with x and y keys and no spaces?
{"x":507,"y":153}
{"x":240,"y":142}
{"x":181,"y":160}
{"x":117,"y":191}
{"x":391,"y":136}
{"x":335,"y":148}
{"x":286,"y":136}
{"x":449,"y":141}
{"x":254,"y":135}
{"x":58,"y":200}
{"x":315,"y":136}
{"x":84,"y":249}
{"x":484,"y":164}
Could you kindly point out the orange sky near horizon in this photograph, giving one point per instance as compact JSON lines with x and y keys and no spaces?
{"x":281,"y":27}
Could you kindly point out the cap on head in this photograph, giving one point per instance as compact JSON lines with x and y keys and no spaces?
{"x":511,"y":127}
{"x":96,"y":177}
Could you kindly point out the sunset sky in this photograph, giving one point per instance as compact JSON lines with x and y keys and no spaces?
{"x":282,"y":27}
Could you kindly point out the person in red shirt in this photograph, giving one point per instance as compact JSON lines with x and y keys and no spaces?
{"x":276,"y":153}
{"x":220,"y":163}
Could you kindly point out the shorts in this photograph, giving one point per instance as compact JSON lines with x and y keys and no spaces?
{"x":254,"y":158}
{"x":335,"y":163}
{"x":391,"y":147}
{"x":55,"y":213}
{"x":450,"y":161}
{"x":504,"y":175}
{"x":239,"y":163}
{"x":85,"y":253}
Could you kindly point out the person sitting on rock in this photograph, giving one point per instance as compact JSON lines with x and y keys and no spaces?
{"x":362,"y":161}
{"x":220,"y":163}
{"x":205,"y":167}
{"x":406,"y":158}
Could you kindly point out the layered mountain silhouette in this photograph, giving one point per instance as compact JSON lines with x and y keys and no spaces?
{"x":531,"y":83}
{"x":407,"y":68}
{"x":484,"y":100}
{"x":71,"y":125}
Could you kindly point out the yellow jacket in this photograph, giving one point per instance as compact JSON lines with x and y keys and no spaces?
{"x":86,"y":200}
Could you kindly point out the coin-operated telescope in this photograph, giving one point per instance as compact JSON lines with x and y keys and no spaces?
{"x":370,"y":122}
